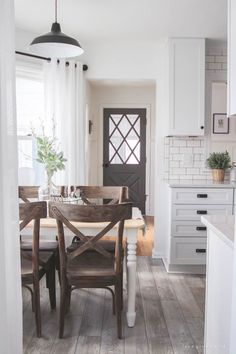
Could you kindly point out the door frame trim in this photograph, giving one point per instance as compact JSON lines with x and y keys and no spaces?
{"x":148,"y":144}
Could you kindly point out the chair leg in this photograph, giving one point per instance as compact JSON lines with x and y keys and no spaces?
{"x":113,"y":299}
{"x":31,"y":294}
{"x":62,"y":311}
{"x":68,"y":298}
{"x":37,"y":311}
{"x":118,"y":305}
{"x":122,"y":301}
{"x":50,"y":281}
{"x":57,"y":265}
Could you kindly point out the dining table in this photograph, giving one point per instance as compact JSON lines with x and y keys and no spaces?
{"x":132,"y":227}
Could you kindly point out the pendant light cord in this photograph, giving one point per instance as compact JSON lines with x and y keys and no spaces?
{"x":55,"y":10}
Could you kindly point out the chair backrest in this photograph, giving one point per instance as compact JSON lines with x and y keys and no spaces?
{"x":89,"y":194}
{"x":99,"y":194}
{"x":32,"y":212}
{"x":28,"y":193}
{"x":65,"y":214}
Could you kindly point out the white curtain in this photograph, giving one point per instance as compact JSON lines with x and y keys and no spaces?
{"x":64,"y":99}
{"x":10,"y":294}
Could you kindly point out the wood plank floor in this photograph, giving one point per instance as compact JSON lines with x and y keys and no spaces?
{"x":170,"y":318}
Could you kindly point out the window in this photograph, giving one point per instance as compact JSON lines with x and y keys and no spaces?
{"x":30,"y":111}
{"x":30,"y":103}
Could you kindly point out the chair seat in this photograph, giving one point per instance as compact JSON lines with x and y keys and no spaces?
{"x":90,"y":266}
{"x":27,"y":265}
{"x":44,"y":245}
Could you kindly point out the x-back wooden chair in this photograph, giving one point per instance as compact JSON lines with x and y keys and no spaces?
{"x":34,"y":263}
{"x":93,"y":195}
{"x":29,"y":194}
{"x":82,"y":268}
{"x":111,"y":194}
{"x":99,"y":194}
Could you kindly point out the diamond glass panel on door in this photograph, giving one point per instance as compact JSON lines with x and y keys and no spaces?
{"x":125,"y":151}
{"x":124,"y":139}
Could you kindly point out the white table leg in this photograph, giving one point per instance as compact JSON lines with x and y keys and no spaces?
{"x":131,"y":277}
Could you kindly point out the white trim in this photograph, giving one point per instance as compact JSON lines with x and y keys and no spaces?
{"x":148,"y":143}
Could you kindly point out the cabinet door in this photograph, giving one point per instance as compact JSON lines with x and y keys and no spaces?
{"x":203,"y":196}
{"x":187,"y":86}
{"x":191,"y":212}
{"x":188,"y":250}
{"x":231,"y":109}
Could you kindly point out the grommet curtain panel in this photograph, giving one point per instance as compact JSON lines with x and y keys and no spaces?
{"x":10,"y":294}
{"x":64,"y":100}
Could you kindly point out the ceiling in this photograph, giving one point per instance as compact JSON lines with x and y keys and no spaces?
{"x":126,"y":20}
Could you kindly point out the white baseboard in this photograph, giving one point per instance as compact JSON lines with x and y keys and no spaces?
{"x":182,"y":268}
{"x":186,"y":269}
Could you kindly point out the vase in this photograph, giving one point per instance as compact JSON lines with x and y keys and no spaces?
{"x":48,"y":189}
{"x":218,"y":175}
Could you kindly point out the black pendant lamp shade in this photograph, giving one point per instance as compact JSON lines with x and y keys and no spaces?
{"x":56,"y":44}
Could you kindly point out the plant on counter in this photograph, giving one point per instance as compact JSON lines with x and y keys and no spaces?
{"x":218,"y":162}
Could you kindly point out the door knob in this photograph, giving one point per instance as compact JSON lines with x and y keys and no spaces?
{"x":105,"y":164}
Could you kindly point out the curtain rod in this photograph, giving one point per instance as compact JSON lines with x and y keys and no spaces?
{"x":85,"y":67}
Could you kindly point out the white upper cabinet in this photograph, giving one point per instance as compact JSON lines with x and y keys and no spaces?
{"x":187,"y":86}
{"x":231,"y":107}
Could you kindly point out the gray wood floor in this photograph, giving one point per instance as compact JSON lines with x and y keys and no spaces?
{"x":170,"y":318}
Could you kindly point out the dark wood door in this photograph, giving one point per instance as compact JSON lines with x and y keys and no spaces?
{"x":124,"y":156}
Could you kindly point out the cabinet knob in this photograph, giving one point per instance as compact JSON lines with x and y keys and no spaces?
{"x":201,"y":228}
{"x":202,"y":126}
{"x":202,"y":195}
{"x":202,"y":212}
{"x":200,"y":250}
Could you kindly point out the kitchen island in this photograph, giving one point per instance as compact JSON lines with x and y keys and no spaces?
{"x":219,"y":280}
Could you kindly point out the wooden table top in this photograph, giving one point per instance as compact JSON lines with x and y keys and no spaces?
{"x":129,"y":224}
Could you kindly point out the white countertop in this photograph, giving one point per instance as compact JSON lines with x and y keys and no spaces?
{"x":200,"y":184}
{"x":222,"y":226}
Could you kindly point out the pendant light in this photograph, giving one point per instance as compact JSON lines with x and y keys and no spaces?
{"x":56,"y":44}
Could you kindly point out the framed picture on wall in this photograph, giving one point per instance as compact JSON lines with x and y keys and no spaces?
{"x":220,"y":123}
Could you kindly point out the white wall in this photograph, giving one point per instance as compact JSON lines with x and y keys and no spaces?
{"x":223,"y":142}
{"x":111,"y":60}
{"x":117,"y":94}
{"x":125,"y":60}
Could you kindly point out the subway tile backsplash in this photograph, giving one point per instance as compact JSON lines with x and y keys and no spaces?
{"x":185,"y":159}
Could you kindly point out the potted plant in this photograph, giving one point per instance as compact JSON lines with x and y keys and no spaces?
{"x":49,"y":155}
{"x":218,"y":162}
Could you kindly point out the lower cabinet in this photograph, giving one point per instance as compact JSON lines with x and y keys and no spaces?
{"x":186,"y":250}
{"x":188,"y":236}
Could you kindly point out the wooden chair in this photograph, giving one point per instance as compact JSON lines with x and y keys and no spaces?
{"x":34,"y":263}
{"x":90,"y":265}
{"x":93,"y":195}
{"x":28,"y":194}
{"x":99,"y":194}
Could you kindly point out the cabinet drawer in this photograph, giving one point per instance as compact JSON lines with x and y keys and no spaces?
{"x":188,"y":251}
{"x":188,"y":229}
{"x":202,"y":196}
{"x":194,"y":212}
